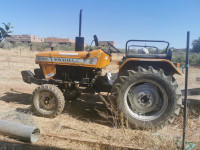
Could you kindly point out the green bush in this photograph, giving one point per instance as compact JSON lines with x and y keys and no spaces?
{"x":64,"y":47}
{"x":196,"y":46}
{"x":36,"y":46}
{"x":6,"y":45}
{"x":21,"y":44}
{"x":39,"y":46}
{"x":179,"y":56}
{"x":195,"y":59}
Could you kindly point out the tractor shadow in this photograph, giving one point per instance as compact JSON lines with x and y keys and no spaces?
{"x":86,"y":108}
{"x":16,"y":97}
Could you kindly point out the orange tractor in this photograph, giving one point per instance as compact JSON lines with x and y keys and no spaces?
{"x":144,"y":88}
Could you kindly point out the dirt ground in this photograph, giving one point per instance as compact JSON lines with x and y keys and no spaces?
{"x":80,"y":126}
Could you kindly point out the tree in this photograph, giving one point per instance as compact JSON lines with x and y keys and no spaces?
{"x":196,"y":46}
{"x":5,"y":32}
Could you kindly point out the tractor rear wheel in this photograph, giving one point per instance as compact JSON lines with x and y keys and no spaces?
{"x":148,"y":98}
{"x":48,"y":101}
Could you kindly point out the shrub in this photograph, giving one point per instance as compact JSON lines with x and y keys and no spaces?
{"x":36,"y":46}
{"x":196,"y":46}
{"x":39,"y":46}
{"x":20,"y":44}
{"x":195,"y":59}
{"x":64,"y":47}
{"x":6,"y":45}
{"x":179,"y":56}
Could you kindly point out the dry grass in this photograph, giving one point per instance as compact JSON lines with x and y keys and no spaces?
{"x":80,"y":119}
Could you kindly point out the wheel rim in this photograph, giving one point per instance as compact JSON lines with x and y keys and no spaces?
{"x":146,"y":100}
{"x":47,"y":101}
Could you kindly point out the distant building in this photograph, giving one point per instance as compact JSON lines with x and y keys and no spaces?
{"x":105,"y":43}
{"x":60,"y":41}
{"x":32,"y":38}
{"x":24,"y":38}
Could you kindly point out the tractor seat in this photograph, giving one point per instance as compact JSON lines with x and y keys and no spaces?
{"x":168,"y":55}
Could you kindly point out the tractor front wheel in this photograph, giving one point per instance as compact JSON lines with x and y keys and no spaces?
{"x":147,"y":98}
{"x":48,"y":101}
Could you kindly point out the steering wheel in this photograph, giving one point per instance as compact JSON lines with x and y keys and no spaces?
{"x":96,"y":40}
{"x":115,"y":49}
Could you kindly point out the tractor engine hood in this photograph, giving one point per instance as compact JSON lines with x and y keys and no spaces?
{"x":97,"y":58}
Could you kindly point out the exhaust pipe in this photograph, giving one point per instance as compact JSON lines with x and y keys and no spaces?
{"x":22,"y":132}
{"x":79,"y":45}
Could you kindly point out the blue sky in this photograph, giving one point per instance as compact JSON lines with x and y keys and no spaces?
{"x":118,"y":20}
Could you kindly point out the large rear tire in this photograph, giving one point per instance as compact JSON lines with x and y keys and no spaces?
{"x":48,"y":101}
{"x":148,"y":98}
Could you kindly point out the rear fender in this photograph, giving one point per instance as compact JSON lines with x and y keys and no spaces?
{"x":167,"y":66}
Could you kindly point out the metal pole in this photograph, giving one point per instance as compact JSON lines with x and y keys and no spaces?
{"x":19,"y":131}
{"x":186,"y":90}
{"x":80,"y":21}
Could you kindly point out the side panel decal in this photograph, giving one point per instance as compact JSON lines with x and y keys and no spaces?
{"x":50,"y":75}
{"x":92,"y":60}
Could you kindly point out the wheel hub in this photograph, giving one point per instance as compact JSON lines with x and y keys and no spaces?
{"x":144,"y":98}
{"x":47,"y":101}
